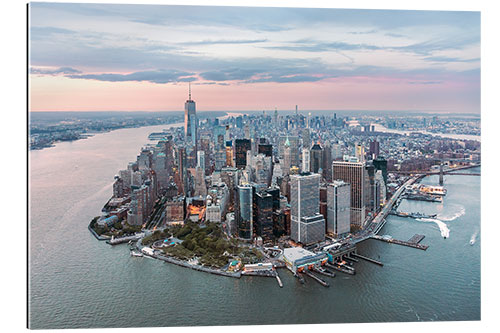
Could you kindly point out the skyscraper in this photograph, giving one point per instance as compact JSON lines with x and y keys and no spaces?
{"x":374,"y":149}
{"x":354,"y":174}
{"x":316,"y":158}
{"x":307,"y":224}
{"x":327,"y":161}
{"x":244,"y":211}
{"x":266,"y":149}
{"x":306,"y":138}
{"x":200,"y":160}
{"x":182,"y":170}
{"x":200,"y":187}
{"x":241,"y":148}
{"x":306,"y":160}
{"x":263,"y":215}
{"x":339,"y":208}
{"x":360,"y":152}
{"x":190,"y":121}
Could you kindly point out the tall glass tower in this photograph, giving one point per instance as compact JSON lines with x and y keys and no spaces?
{"x":190,"y":121}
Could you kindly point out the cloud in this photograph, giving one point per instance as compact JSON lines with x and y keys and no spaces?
{"x":451,"y":59}
{"x":288,"y":79}
{"x":392,"y":34}
{"x":60,"y":70}
{"x":226,"y":41}
{"x":425,"y":82}
{"x":46,"y":31}
{"x":363,"y":32}
{"x":230,"y":74}
{"x":316,"y":46}
{"x":157,"y":76}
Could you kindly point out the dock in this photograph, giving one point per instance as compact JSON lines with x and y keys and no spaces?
{"x":416,"y":239}
{"x":324,"y":272}
{"x":317,"y":279}
{"x":368,"y":259}
{"x":300,"y":277}
{"x":421,"y":197}
{"x":408,"y":243}
{"x":279,"y":280}
{"x":125,"y":239}
{"x":412,"y":215}
{"x":341,"y":269}
{"x":351,"y":259}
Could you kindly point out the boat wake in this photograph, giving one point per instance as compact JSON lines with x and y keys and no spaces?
{"x":450,"y":217}
{"x":443,"y":227}
{"x":473,"y":238}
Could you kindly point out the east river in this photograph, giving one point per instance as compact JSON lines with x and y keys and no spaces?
{"x":76,"y":281}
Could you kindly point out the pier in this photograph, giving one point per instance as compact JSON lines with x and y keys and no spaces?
{"x":416,"y":239}
{"x":317,"y":279}
{"x":351,"y":259}
{"x":412,"y":215}
{"x":279,"y":280}
{"x":341,"y":269}
{"x":300,"y":277}
{"x":368,"y":259}
{"x":409,"y":243}
{"x":324,"y":272}
{"x":125,"y":239}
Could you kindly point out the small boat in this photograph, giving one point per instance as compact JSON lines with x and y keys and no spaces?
{"x":136,"y":254}
{"x":473,"y":239}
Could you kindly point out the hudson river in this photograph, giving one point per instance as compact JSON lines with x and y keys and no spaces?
{"x":77,"y":281}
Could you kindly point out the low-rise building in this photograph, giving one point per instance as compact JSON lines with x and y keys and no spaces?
{"x":297,"y":259}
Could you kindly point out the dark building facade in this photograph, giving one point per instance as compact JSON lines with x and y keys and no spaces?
{"x":374,"y":149}
{"x":316,"y":158}
{"x":263,"y":215}
{"x":266,"y":149}
{"x":241,"y":148}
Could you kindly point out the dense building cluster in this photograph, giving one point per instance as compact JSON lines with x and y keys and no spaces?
{"x":271,"y":177}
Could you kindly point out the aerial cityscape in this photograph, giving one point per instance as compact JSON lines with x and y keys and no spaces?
{"x":342,"y":200}
{"x":247,"y":194}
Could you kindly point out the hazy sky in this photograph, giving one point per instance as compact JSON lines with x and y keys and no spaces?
{"x":141,"y":57}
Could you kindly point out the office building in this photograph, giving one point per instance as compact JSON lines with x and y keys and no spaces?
{"x":266,"y":149}
{"x":263,"y":215}
{"x":306,"y":160}
{"x":287,"y":160}
{"x":307,"y":225}
{"x":316,"y":158}
{"x":374,"y":149}
{"x":380,"y":163}
{"x":241,"y":148}
{"x":244,"y":212}
{"x":182,"y":171}
{"x":338,"y":220}
{"x":354,"y":174}
{"x":200,"y":160}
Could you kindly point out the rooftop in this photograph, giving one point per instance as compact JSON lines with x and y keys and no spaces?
{"x":296,"y":253}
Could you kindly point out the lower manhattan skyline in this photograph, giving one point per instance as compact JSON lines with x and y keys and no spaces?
{"x":140,"y":58}
{"x":234,"y":166}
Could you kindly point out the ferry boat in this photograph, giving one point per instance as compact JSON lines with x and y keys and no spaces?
{"x":433,"y":190}
{"x":136,"y":254}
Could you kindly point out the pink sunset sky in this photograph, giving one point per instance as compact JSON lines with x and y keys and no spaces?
{"x":95,"y":57}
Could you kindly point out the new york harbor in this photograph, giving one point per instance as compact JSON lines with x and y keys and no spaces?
{"x":262,"y":177}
